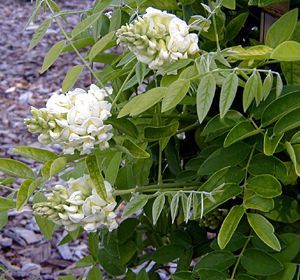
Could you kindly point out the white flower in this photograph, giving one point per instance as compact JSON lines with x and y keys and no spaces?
{"x":158,"y":38}
{"x":79,"y":205}
{"x":75,"y":120}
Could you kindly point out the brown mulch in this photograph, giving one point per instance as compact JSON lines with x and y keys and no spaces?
{"x":24,"y":253}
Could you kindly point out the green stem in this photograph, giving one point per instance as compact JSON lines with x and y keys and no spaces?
{"x":159,"y":178}
{"x":162,"y":187}
{"x":86,"y":64}
{"x":189,"y":127}
{"x":122,"y":87}
{"x":248,"y":164}
{"x":239,"y":257}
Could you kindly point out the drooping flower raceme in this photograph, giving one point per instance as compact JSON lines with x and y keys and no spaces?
{"x":74,"y":120}
{"x":158,"y":38}
{"x":79,"y":205}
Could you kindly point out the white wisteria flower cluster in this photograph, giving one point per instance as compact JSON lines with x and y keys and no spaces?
{"x":79,"y":205}
{"x":158,"y":38}
{"x":74,"y":120}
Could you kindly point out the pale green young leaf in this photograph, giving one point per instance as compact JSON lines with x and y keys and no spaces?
{"x":287,"y":51}
{"x":100,"y":45}
{"x":239,"y":132}
{"x":250,"y":90}
{"x":229,"y":225}
{"x":71,"y":77}
{"x":271,"y":143}
{"x":115,"y":21}
{"x":6,"y":204}
{"x":52,"y":55}
{"x":283,"y":29}
{"x":174,"y":94}
{"x":96,"y":176}
{"x":39,"y":33}
{"x":294,"y":153}
{"x":37,"y":154}
{"x":135,"y":204}
{"x":228,"y":92}
{"x":16,"y":168}
{"x":265,"y":185}
{"x":143,"y":102}
{"x":258,"y":93}
{"x":112,"y":169}
{"x":264,"y":230}
{"x":267,"y":85}
{"x":174,"y":206}
{"x":3,"y":222}
{"x":205,"y":95}
{"x":57,"y":166}
{"x":85,"y":24}
{"x":279,"y":85}
{"x":22,"y":195}
{"x":157,"y":207}
{"x":141,"y":70}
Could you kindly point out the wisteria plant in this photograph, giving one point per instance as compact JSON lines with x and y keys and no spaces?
{"x":182,"y":160}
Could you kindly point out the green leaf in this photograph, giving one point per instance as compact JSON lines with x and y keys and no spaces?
{"x":264,"y":230}
{"x":286,"y":103}
{"x":287,"y":51}
{"x":16,"y":168}
{"x":85,"y":24}
{"x":267,"y":85}
{"x":111,"y":264}
{"x":52,"y":55}
{"x":286,"y":210}
{"x":288,"y":273}
{"x":127,"y":229}
{"x":39,"y":33}
{"x":166,"y":254}
{"x":57,"y":166}
{"x":211,"y":274}
{"x":182,"y":275}
{"x":219,"y":260}
{"x":172,"y":68}
{"x":228,"y":92}
{"x":39,"y":155}
{"x":135,"y":204}
{"x":229,"y":4}
{"x":94,"y":274}
{"x":127,"y":251}
{"x":3,"y":221}
{"x":124,"y":125}
{"x":290,"y":249}
{"x":279,"y":85}
{"x":291,"y":72}
{"x":6,"y":204}
{"x":250,"y":90}
{"x":217,"y":126}
{"x":294,"y":153}
{"x":157,"y":207}
{"x":134,"y":150}
{"x":205,"y":95}
{"x":222,"y":194}
{"x":265,"y":185}
{"x":174,"y":94}
{"x":224,"y":157}
{"x":96,"y":176}
{"x":229,"y":225}
{"x":239,"y":132}
{"x":143,"y":102}
{"x":235,"y":25}
{"x":71,"y":77}
{"x":112,"y":169}
{"x":282,"y":29}
{"x":271,"y":143}
{"x":157,"y":133}
{"x":254,"y":201}
{"x":287,"y":122}
{"x":100,"y":45}
{"x":115,"y":21}
{"x":258,"y":262}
